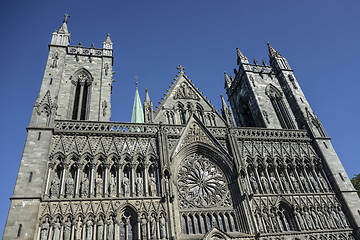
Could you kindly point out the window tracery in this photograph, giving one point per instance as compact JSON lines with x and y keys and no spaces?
{"x":82,"y":81}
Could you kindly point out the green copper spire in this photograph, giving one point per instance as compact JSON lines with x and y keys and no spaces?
{"x":137,"y":113}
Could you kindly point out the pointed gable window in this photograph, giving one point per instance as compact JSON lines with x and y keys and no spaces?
{"x":82,"y":81}
{"x":181,"y":113}
{"x":279,"y":106}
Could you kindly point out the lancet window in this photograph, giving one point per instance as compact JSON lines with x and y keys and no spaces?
{"x":82,"y":81}
{"x":280,"y":107}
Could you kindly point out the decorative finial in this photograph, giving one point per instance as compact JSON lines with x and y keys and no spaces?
{"x":136,"y":83}
{"x":181,"y":69}
{"x":66,"y":16}
{"x":264,"y":62}
{"x":255,"y":62}
{"x":146,"y":90}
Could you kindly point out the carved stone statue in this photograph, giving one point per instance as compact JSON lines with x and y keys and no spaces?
{"x":139,"y":185}
{"x":275,"y":184}
{"x":323,"y":224}
{"x":143,"y":228}
{"x":55,"y":187}
{"x":89,"y":229}
{"x":44,"y":230}
{"x":70,"y":185}
{"x":67,"y":229}
{"x":57,"y":227}
{"x":336,"y":219}
{"x":100,"y":229}
{"x":254,"y":183}
{"x":315,"y":218}
{"x":314,"y":183}
{"x":267,"y":222}
{"x":299,"y":220}
{"x":112,"y":184}
{"x":323,"y":183}
{"x":153,"y":227}
{"x":308,"y":219}
{"x":153,"y":189}
{"x":126,"y":186}
{"x":84,"y":187}
{"x":343,"y":217}
{"x":99,"y":186}
{"x":259,"y":223}
{"x":294,"y":182}
{"x":78,"y":229}
{"x":110,"y":230}
{"x":304,"y":183}
{"x":265,"y":183}
{"x":162,"y":227}
{"x":285,"y":183}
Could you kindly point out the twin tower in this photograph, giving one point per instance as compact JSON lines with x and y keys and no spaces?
{"x":263,"y":168}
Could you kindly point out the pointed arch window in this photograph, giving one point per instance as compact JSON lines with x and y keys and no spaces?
{"x":280,"y":107}
{"x":82,"y":82}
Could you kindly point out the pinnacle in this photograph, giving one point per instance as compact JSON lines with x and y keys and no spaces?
{"x":108,"y":39}
{"x":224,"y":105}
{"x":272,"y":51}
{"x":147,"y":98}
{"x":240,"y":57}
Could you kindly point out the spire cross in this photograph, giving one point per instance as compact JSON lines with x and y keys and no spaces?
{"x":66,"y":16}
{"x":181,"y":69}
{"x":136,"y":77}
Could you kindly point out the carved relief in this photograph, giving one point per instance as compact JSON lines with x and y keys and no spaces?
{"x":185,"y":92}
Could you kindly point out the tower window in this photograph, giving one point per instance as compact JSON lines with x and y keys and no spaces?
{"x":280,"y":107}
{"x":81,"y":96}
{"x":30,"y":176}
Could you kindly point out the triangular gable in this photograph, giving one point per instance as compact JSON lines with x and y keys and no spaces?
{"x":183,"y":91}
{"x":195,"y":131}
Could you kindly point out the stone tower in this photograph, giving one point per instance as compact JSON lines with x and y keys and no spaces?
{"x":262,"y":169}
{"x":76,"y":85}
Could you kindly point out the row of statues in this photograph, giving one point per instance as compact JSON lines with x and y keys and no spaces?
{"x":92,"y":229}
{"x":99,"y":186}
{"x":300,"y":219}
{"x":287,"y":181}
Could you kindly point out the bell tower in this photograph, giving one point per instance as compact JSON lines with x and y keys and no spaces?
{"x":76,"y":85}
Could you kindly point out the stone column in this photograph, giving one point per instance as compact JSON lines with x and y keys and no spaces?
{"x":258,"y":178}
{"x":105,"y":181}
{"x":62,"y":182}
{"x":296,"y":175}
{"x":48,"y":180}
{"x":133,"y":176}
{"x":77,"y":183}
{"x":91,"y":179}
{"x":268,"y":178}
{"x":308,"y":179}
{"x":146,"y":177}
{"x":118,"y":179}
{"x":278,"y":178}
{"x":287,"y":176}
{"x":82,"y":85}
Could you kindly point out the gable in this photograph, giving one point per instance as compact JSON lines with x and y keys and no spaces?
{"x":182,"y":100}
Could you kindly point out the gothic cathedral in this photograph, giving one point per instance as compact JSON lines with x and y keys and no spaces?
{"x":264,"y":168}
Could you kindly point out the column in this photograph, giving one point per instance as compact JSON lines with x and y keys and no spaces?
{"x":77,"y":184}
{"x":258,"y":178}
{"x":48,"y":180}
{"x":317,"y":178}
{"x":146,"y":177}
{"x":133,"y":175}
{"x":138,"y":228}
{"x":91,"y":180}
{"x":118,"y":179}
{"x":62,"y":183}
{"x":106,"y":174}
{"x":287,"y":176}
{"x":298,"y":179}
{"x":82,"y":85}
{"x":278,"y":178}
{"x":268,"y":178}
{"x":308,"y":179}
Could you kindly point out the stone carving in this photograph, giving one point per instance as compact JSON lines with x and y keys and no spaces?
{"x":143,"y":228}
{"x":57,"y":227}
{"x":104,"y":105}
{"x":152,"y":227}
{"x":78,"y":229}
{"x":106,"y":67}
{"x":195,"y":134}
{"x":67,"y":229}
{"x":162,"y":227}
{"x":275,"y":183}
{"x":336,"y":219}
{"x":112,"y":184}
{"x":299,"y":219}
{"x":304,"y":182}
{"x":85,"y":187}
{"x":139,"y":186}
{"x":265,"y":183}
{"x":323,"y":183}
{"x":185,"y":92}
{"x":44,"y":230}
{"x":110,"y":230}
{"x":254,"y":184}
{"x":308,"y":220}
{"x":285,"y":183}
{"x":315,"y":218}
{"x":99,"y":186}
{"x":343,"y":217}
{"x":153,"y":187}
{"x":55,"y":187}
{"x":314,"y":183}
{"x":89,"y":229}
{"x":259,"y":222}
{"x":100,"y":229}
{"x":294,"y":182}
{"x":201,"y":183}
{"x":54,"y":60}
{"x":69,"y":189}
{"x":126,"y":186}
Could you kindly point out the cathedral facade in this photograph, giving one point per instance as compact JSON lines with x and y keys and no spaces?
{"x":264,"y":168}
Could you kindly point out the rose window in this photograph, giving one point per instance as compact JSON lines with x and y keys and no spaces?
{"x":201,"y":183}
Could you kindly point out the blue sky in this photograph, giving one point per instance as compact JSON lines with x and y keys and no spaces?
{"x":320,"y":39}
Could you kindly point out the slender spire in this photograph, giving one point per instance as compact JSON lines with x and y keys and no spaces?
{"x":147,"y":98}
{"x":223,"y":102}
{"x":241,"y":57}
{"x":272,"y":51}
{"x":108,"y":39}
{"x":137,"y":113}
{"x":227,"y":81}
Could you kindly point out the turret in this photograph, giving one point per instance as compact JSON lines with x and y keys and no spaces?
{"x":148,"y":108}
{"x":276,"y":60}
{"x":61,"y":37}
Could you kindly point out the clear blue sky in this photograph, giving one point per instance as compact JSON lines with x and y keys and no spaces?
{"x":320,"y":39}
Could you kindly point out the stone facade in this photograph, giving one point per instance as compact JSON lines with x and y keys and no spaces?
{"x":262,"y":169}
